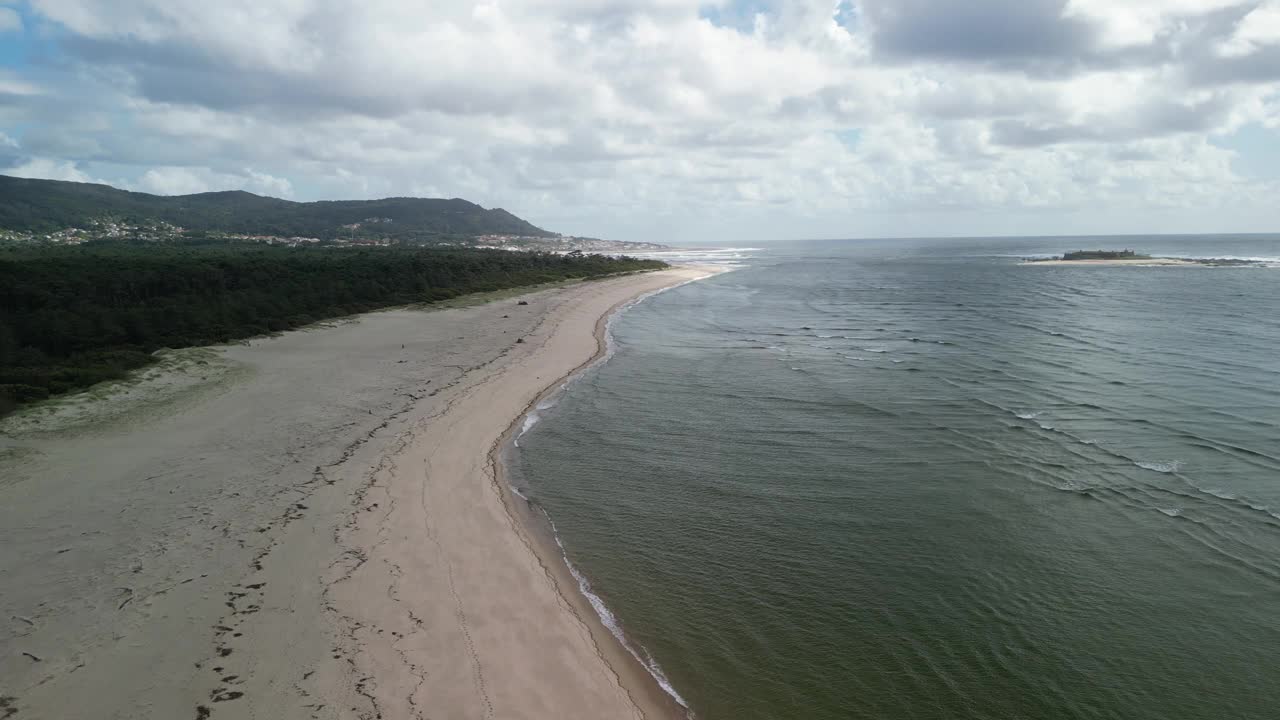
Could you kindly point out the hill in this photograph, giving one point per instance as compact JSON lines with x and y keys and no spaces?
{"x":43,"y":206}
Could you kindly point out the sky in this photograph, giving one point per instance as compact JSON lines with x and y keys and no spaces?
{"x":671,"y":120}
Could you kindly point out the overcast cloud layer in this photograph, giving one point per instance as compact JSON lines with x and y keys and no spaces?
{"x":671,"y":120}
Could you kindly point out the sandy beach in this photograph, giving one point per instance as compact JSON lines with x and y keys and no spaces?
{"x":309,"y":526}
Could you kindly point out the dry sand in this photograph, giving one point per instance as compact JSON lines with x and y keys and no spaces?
{"x":308,"y":526}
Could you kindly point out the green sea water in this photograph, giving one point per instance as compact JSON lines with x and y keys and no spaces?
{"x":917,"y":480}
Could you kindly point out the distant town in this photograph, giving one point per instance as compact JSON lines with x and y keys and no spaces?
{"x":57,"y":213}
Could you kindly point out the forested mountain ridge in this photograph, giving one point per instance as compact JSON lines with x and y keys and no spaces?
{"x":40,"y":206}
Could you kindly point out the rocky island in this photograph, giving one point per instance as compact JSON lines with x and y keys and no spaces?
{"x":1131,"y":257}
{"x":1104,"y":255}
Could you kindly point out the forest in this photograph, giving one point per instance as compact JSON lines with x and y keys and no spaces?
{"x":74,"y":316}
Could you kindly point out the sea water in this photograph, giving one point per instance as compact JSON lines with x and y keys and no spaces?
{"x":919,"y":480}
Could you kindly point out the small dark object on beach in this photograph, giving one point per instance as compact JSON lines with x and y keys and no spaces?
{"x":506,"y":316}
{"x":519,"y":340}
{"x":523,"y":302}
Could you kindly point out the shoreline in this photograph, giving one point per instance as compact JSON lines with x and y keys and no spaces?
{"x":617,"y":651}
{"x":458,"y":537}
{"x":538,"y":531}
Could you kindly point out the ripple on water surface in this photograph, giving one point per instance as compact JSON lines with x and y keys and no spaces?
{"x":904,"y":482}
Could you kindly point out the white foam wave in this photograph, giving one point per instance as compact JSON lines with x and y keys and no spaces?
{"x":1027,"y":415}
{"x":727,"y":257}
{"x":529,"y":421}
{"x":1165,"y":467}
{"x":609,"y":620}
{"x":1268,"y":260}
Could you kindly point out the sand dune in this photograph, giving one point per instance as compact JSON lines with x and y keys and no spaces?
{"x":308,"y":526}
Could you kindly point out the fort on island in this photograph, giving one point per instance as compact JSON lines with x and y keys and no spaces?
{"x":1103,"y":255}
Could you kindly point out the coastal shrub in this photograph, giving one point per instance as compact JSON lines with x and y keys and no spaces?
{"x":21,"y":393}
{"x":439,"y":294}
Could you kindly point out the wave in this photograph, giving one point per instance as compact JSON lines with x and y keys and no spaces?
{"x":1233,"y":499}
{"x":535,"y":415}
{"x":726,"y":257}
{"x":610,"y":621}
{"x":1160,"y":467}
{"x":1198,"y":493}
{"x":1264,"y":260}
{"x":529,"y":421}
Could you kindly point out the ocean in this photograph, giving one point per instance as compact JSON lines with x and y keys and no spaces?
{"x":914,"y":479}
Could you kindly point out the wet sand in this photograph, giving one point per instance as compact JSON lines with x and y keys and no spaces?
{"x":308,"y":526}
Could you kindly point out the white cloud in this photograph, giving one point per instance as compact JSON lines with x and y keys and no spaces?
{"x":12,"y":85}
{"x":1261,"y":27}
{"x":49,"y":169}
{"x":1129,"y":23}
{"x":190,"y":180}
{"x":615,"y":118}
{"x":10,"y":20}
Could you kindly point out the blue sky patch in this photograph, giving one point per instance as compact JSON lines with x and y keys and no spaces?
{"x":1257,"y":151}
